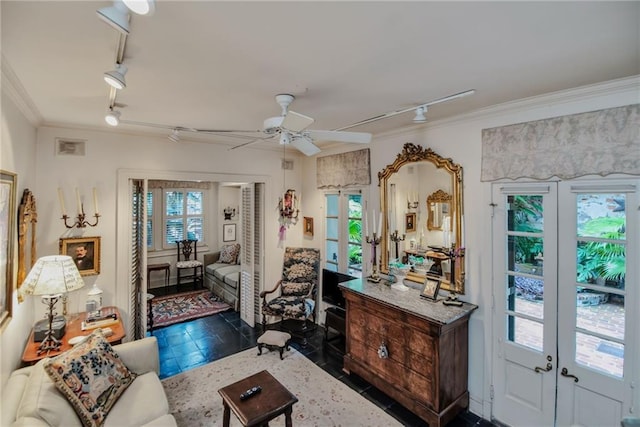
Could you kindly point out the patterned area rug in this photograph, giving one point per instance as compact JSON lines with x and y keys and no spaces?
{"x":322,"y":400}
{"x":171,"y":309}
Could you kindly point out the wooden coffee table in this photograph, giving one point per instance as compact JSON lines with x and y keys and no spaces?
{"x":259,"y":409}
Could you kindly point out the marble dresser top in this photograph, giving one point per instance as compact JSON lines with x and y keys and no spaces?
{"x":409,"y":300}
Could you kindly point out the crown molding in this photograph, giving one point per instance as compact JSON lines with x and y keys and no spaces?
{"x":14,"y":89}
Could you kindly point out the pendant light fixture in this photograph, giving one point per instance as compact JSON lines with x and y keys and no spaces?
{"x":115,"y":78}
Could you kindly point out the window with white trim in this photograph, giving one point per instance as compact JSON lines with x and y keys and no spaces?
{"x":179,"y":214}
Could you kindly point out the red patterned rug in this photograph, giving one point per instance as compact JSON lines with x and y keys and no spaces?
{"x":171,"y":309}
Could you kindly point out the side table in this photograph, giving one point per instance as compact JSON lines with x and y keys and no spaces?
{"x":74,"y":328}
{"x":165,"y":266}
{"x":273,"y":400}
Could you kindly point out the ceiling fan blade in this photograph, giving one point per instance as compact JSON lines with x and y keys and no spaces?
{"x":296,"y":122}
{"x":332,"y":135}
{"x":251,"y":142}
{"x":304,"y":145}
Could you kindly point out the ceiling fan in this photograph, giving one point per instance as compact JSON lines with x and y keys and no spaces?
{"x":291,"y":129}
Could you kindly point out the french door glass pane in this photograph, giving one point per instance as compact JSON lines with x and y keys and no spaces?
{"x":332,"y":251}
{"x":332,"y":205}
{"x":600,"y":268}
{"x":354,"y":246}
{"x":524,"y":278}
{"x":332,"y":228}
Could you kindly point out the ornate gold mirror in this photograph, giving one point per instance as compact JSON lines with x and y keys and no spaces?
{"x":423,"y":184}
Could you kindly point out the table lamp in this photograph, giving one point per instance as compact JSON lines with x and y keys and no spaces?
{"x":50,"y":277}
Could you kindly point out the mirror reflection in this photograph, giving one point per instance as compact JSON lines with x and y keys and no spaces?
{"x":421,"y":202}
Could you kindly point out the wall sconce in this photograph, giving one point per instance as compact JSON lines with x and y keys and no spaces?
{"x":288,"y":206}
{"x":229,"y":213}
{"x":80,"y":221}
{"x":413,"y":201}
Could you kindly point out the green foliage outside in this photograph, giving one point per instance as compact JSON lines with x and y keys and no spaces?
{"x":355,"y":231}
{"x":602,"y":259}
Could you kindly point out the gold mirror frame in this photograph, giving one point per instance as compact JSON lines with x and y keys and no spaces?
{"x":412,"y":153}
{"x":436,"y":197}
{"x":27,"y":220}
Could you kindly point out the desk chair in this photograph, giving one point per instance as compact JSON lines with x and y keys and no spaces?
{"x":186,"y":248}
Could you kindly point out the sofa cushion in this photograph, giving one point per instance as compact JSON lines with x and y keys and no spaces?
{"x":91,"y":376}
{"x":41,"y":400}
{"x":221,"y":272}
{"x":146,"y":390}
{"x":211,"y":268}
{"x":232,"y":279}
{"x":229,"y":253}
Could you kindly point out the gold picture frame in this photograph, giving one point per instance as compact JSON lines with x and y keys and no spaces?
{"x":8,"y":182}
{"x":85,"y":252}
{"x":308,"y":226}
{"x":410,"y":222}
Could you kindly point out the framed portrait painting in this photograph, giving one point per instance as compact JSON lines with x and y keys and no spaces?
{"x":229,"y":233}
{"x":8,"y":182}
{"x":410,"y":222}
{"x":308,"y":226}
{"x":85,"y":252}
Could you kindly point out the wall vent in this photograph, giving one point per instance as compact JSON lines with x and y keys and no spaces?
{"x":70,"y":147}
{"x":287,"y":164}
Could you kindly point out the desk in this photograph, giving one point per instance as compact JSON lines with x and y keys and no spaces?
{"x":165,"y":266}
{"x":258,"y":410}
{"x":73,"y":329}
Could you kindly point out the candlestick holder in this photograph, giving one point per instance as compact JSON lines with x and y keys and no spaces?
{"x":395,"y":237}
{"x":374,"y":241}
{"x":80,"y":221}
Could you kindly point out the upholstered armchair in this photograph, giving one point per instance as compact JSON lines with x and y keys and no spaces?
{"x":298,"y":289}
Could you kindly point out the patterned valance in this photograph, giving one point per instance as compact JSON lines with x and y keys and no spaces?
{"x":595,"y":143}
{"x":344,"y":170}
{"x":159,"y":183}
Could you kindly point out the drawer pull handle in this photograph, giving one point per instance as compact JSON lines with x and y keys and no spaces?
{"x":383,"y":352}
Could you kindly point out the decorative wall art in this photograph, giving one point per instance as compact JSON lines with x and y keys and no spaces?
{"x":431,"y":288}
{"x":228,"y":232}
{"x":410,"y":222}
{"x":27,"y":219}
{"x":85,"y":252}
{"x":8,"y":182}
{"x":289,"y":208}
{"x":308,"y":226}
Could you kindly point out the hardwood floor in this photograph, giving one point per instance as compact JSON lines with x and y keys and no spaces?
{"x":186,"y":345}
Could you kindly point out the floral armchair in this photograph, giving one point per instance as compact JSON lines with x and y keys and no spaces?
{"x":298,"y":289}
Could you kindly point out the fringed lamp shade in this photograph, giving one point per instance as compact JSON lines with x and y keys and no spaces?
{"x":55,"y":274}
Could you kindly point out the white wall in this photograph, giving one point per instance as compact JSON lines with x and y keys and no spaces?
{"x":17,"y":155}
{"x":460,"y":139}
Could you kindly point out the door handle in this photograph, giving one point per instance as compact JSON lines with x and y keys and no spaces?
{"x":565,"y":373}
{"x":549,"y":366}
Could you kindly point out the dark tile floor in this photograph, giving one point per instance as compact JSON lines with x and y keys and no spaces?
{"x":186,"y":345}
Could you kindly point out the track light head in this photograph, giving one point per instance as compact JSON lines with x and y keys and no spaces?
{"x":420,"y":117}
{"x":112,"y":118}
{"x":175,"y":136}
{"x":141,"y":7}
{"x":116,"y":16}
{"x":115,"y":78}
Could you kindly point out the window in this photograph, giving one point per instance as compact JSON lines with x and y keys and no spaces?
{"x":343,"y":239}
{"x":182,"y":217}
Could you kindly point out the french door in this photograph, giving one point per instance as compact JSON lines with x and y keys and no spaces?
{"x":564,"y":351}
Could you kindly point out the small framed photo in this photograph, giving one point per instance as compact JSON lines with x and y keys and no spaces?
{"x":431,"y":288}
{"x":308,"y":226}
{"x":85,"y":252}
{"x":410,"y":222}
{"x":228,"y":232}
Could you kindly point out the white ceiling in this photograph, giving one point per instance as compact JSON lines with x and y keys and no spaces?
{"x":218,"y":65}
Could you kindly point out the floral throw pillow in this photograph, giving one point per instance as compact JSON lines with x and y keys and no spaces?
{"x":91,"y":376}
{"x":229,"y":253}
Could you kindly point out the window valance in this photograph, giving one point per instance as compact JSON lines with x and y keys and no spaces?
{"x":344,"y":170}
{"x":594,"y":143}
{"x":159,"y":183}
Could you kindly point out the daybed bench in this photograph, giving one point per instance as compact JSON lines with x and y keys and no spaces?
{"x":222,"y":274}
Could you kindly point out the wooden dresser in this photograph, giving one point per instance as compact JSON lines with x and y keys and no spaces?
{"x":426,"y":342}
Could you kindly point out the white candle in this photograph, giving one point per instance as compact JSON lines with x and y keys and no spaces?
{"x":392,"y":221}
{"x":380,"y":224}
{"x":61,"y":197}
{"x":78,"y":200}
{"x":95,"y":200}
{"x":373,"y":215}
{"x":366,"y":225}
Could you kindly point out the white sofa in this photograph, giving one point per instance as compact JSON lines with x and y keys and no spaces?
{"x":223,"y":279}
{"x":31,"y":398}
